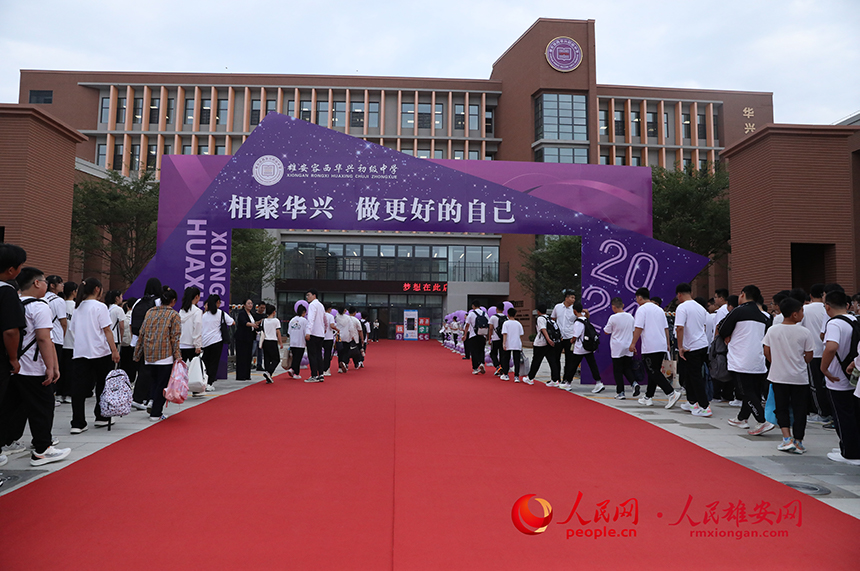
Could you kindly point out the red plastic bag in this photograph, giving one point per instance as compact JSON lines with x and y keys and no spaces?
{"x":177,"y":388}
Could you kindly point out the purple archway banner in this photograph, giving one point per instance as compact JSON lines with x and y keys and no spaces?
{"x":293,"y":174}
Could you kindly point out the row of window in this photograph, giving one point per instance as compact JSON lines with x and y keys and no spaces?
{"x":620,"y":125}
{"x":636,"y":161}
{"x":561,"y":116}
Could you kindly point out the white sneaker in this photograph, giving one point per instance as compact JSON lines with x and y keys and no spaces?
{"x":552,"y":384}
{"x":528,"y":381}
{"x":699,"y":411}
{"x":475,"y":371}
{"x":738,"y":423}
{"x":646,"y":401}
{"x":141,"y":406}
{"x":504,"y":378}
{"x":762,"y":428}
{"x":14,"y":448}
{"x":673,"y":398}
{"x":78,"y":430}
{"x":598,"y":388}
{"x":50,"y":454}
{"x":482,"y":369}
{"x":736,"y":402}
{"x":687,"y":406}
{"x":157,"y":418}
{"x":838,"y":457}
{"x":101,"y":423}
{"x":620,"y":396}
{"x":327,"y":374}
{"x":517,"y":379}
{"x":210,"y":388}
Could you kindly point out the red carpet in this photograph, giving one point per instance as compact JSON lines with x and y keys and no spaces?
{"x":411,"y":463}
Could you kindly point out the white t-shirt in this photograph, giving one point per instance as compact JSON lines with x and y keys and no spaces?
{"x":620,"y":327}
{"x":694,"y":319}
{"x":470,"y":319}
{"x":117,"y":315}
{"x":711,"y":326}
{"x":358,"y":328}
{"x":69,"y":339}
{"x":38,"y":315}
{"x":346,"y":327}
{"x":540,"y":339}
{"x":839,"y":331}
{"x":58,"y":312}
{"x":564,"y":318}
{"x":455,"y":327}
{"x":777,"y":319}
{"x":578,"y":332}
{"x":814,"y":318}
{"x":721,"y":313}
{"x":788,"y":343}
{"x":514,"y":330}
{"x":316,"y":319}
{"x":91,"y":317}
{"x":494,"y":321}
{"x":211,"y":326}
{"x":298,"y":328}
{"x":652,"y":320}
{"x":329,"y":332}
{"x":191,"y":336}
{"x":271,"y":326}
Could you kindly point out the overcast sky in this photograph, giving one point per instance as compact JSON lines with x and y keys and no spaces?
{"x":807,"y":52}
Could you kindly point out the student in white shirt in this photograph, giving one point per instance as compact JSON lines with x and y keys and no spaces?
{"x":113,"y":301}
{"x":272,"y":342}
{"x":297,"y":330}
{"x":496,"y":338}
{"x":191,"y":339}
{"x":512,"y":346}
{"x":788,"y":346}
{"x":651,"y":327}
{"x":691,"y":332}
{"x":544,"y":346}
{"x":357,"y":348}
{"x":620,"y":326}
{"x":814,"y":318}
{"x":63,"y":387}
{"x":846,"y":408}
{"x":328,"y":339}
{"x":95,"y":353}
{"x":211,"y":339}
{"x":564,"y":317}
{"x":315,"y":336}
{"x":59,"y":320}
{"x":348,"y":331}
{"x":475,"y":337}
{"x":30,"y":394}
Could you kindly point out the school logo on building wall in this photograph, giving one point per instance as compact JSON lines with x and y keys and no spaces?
{"x":268,"y":170}
{"x":564,"y":54}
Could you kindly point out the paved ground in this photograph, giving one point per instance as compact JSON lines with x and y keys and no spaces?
{"x":758,"y":453}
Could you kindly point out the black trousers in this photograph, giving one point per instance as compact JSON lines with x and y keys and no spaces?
{"x":505,"y":361}
{"x":271,"y":355}
{"x":261,"y":356}
{"x":63,"y":387}
{"x":496,"y":353}
{"x":552,"y":358}
{"x":574,"y":362}
{"x":467,"y":348}
{"x":160,"y":375}
{"x":58,"y":348}
{"x":846,"y":413}
{"x":143,"y":384}
{"x":751,"y":385}
{"x":89,"y":374}
{"x":328,"y":347}
{"x":476,"y":345}
{"x":818,"y":391}
{"x":656,"y":378}
{"x":187,"y":354}
{"x":126,"y":362}
{"x":690,"y":372}
{"x":297,"y":353}
{"x":564,"y":347}
{"x":794,"y":398}
{"x":315,"y":355}
{"x":622,"y":367}
{"x":244,"y":354}
{"x":27,"y":400}
{"x":211,"y":359}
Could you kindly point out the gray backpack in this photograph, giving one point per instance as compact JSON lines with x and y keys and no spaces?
{"x":718,"y":361}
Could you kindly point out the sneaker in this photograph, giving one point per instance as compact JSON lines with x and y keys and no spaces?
{"x":320,"y":379}
{"x":50,"y":454}
{"x":498,"y":371}
{"x":475,"y":371}
{"x":101,"y":423}
{"x":360,"y":365}
{"x":528,"y":381}
{"x":620,"y":396}
{"x":567,"y":386}
{"x":56,"y":403}
{"x":736,"y":402}
{"x":552,"y":384}
{"x":517,"y":379}
{"x":787,"y":446}
{"x":636,"y":389}
{"x":699,"y":411}
{"x":798,"y":447}
{"x":762,"y":428}
{"x":311,"y":380}
{"x":837,"y":457}
{"x":504,"y":377}
{"x":818,"y":419}
{"x":3,"y":460}
{"x":673,"y":398}
{"x":268,"y":377}
{"x":210,"y":388}
{"x":481,"y":368}
{"x":830,"y":425}
{"x":646,"y":401}
{"x":738,"y":423}
{"x":142,"y":406}
{"x":78,"y":430}
{"x":67,"y":400}
{"x":14,"y":448}
{"x":837,"y":450}
{"x":327,"y":374}
{"x":157,"y":418}
{"x":598,"y":388}
{"x":688,"y":406}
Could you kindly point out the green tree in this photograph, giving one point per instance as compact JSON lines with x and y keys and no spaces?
{"x":691,"y":209}
{"x":255,"y":256}
{"x":114,"y":220}
{"x":553,"y":265}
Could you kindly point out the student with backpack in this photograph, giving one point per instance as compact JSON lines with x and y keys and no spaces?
{"x":151,"y":298}
{"x":158,"y":346}
{"x":512,"y":346}
{"x":30,"y":396}
{"x":544,"y":347}
{"x":476,"y":329}
{"x":215,"y":332}
{"x":95,"y":352}
{"x":497,"y":320}
{"x":564,"y":317}
{"x":620,"y":327}
{"x":585,"y":342}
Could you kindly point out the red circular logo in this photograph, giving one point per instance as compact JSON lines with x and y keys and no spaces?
{"x":527,"y":522}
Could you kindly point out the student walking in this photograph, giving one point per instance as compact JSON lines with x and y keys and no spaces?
{"x":191,"y":316}
{"x":544,"y":347}
{"x":563,"y":315}
{"x":272,"y":342}
{"x":246,"y":338}
{"x":512,"y":346}
{"x":651,"y":327}
{"x":328,"y":339}
{"x":158,"y":345}
{"x":62,"y":388}
{"x":476,"y":336}
{"x":297,"y":329}
{"x":580,"y":352}
{"x":691,"y":324}
{"x":315,"y":336}
{"x":620,"y":328}
{"x":496,"y":349}
{"x":211,"y":339}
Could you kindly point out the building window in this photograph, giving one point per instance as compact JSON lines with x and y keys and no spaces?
{"x":104,"y":117}
{"x":458,"y":155}
{"x":356,"y":115}
{"x":137,"y":112}
{"x":322,"y":113}
{"x":474,"y":155}
{"x":686,"y":132}
{"x":221,"y":118}
{"x":716,"y":132}
{"x":154,"y":105}
{"x":305,"y":110}
{"x":171,"y":109}
{"x":271,"y":106}
{"x":438,"y":121}
{"x":41,"y":97}
{"x":489,"y":157}
{"x":561,"y":116}
{"x":189,"y":112}
{"x":489,"y":121}
{"x":117,"y":156}
{"x":620,"y":160}
{"x":701,"y":126}
{"x":167,"y":150}
{"x":666,"y":124}
{"x":459,"y":116}
{"x":473,"y":117}
{"x":604,"y":159}
{"x":338,"y":118}
{"x":425,"y":115}
{"x":373,"y":115}
{"x":151,"y":156}
{"x":220,"y":150}
{"x":186,"y":149}
{"x":202,"y":149}
{"x":703,"y":164}
{"x":620,"y":131}
{"x":603,"y":120}
{"x":438,"y":154}
{"x":135,"y":158}
{"x":685,"y":163}
{"x":255,"y":112}
{"x":101,"y":155}
{"x":569,"y":155}
{"x":407,"y":151}
{"x":120,"y":110}
{"x":423,"y":153}
{"x":652,"y":124}
{"x":635,"y":161}
{"x":205,"y":111}
{"x":407,"y":115}
{"x":635,"y":125}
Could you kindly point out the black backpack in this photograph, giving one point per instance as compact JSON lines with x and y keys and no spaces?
{"x":23,"y":350}
{"x":590,"y":338}
{"x":552,"y":330}
{"x":498,"y":328}
{"x":855,"y":339}
{"x":482,"y":323}
{"x":138,"y":312}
